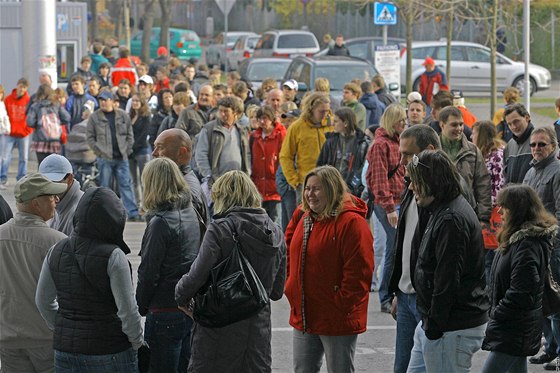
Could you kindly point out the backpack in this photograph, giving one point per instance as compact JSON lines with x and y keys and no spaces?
{"x":50,"y":124}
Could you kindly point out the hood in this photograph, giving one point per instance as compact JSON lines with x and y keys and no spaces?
{"x":354,"y":204}
{"x":528,"y":230}
{"x":15,"y":96}
{"x":101,"y":216}
{"x":45,"y":103}
{"x":370,"y":101}
{"x":256,"y":230}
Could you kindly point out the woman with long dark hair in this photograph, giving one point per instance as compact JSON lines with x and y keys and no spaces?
{"x":164,"y":108}
{"x":525,"y":242}
{"x":140,"y":119}
{"x":346,"y":149}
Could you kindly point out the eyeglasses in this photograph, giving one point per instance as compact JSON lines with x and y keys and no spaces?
{"x":538,"y":144}
{"x":416,"y":161}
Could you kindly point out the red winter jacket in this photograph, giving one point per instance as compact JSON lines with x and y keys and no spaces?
{"x":427,"y":82}
{"x":264,"y":161}
{"x":337,"y":273}
{"x":16,"y":108}
{"x":123,"y":69}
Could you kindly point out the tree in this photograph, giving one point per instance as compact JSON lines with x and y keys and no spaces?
{"x":147,"y":32}
{"x":166,"y":6}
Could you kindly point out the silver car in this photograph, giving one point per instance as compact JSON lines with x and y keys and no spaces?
{"x":215,"y":51}
{"x":286,"y":43}
{"x":470,"y":67}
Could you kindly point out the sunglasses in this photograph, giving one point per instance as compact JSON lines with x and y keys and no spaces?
{"x":416,"y":161}
{"x":538,"y":144}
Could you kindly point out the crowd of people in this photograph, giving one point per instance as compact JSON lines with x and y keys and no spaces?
{"x":452,"y":220}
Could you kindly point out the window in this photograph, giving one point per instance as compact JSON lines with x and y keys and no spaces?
{"x":338,"y":76}
{"x":422,"y":52}
{"x":358,"y":49}
{"x":296,"y":41}
{"x":252,"y":42}
{"x":266,"y":42}
{"x":478,"y":54}
{"x":456,"y":53}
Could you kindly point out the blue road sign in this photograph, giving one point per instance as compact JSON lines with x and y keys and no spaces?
{"x":385,"y":14}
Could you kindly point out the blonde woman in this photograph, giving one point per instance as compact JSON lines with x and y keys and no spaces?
{"x":385,"y":178}
{"x":305,"y":138}
{"x":244,"y":346}
{"x":329,"y":304}
{"x":169,"y":247}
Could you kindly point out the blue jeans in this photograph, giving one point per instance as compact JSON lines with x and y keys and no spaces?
{"x":168,"y":334}
{"x":272,"y":209}
{"x":407,"y":320}
{"x":500,"y":362}
{"x":119,"y":169}
{"x":391,"y":233}
{"x":122,"y":362}
{"x":309,"y":350}
{"x":451,"y":353}
{"x":136,"y":164}
{"x":288,"y":207}
{"x":8,"y":143}
{"x":379,"y":240}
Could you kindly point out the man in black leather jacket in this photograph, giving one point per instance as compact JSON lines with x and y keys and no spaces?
{"x":448,"y":273}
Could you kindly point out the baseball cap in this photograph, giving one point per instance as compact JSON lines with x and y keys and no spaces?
{"x":146,"y":79}
{"x":34,"y":185}
{"x":162,"y":51}
{"x":414,"y":96}
{"x":292,"y":114}
{"x":55,"y":167}
{"x":292,"y":84}
{"x":429,"y":61}
{"x":105,"y":95}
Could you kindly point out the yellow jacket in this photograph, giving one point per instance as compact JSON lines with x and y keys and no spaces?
{"x":301,"y":148}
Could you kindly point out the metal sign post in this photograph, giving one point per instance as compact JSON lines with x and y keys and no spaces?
{"x":225,"y":6}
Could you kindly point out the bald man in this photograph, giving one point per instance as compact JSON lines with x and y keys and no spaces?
{"x":176,"y":145}
{"x":275,"y":99}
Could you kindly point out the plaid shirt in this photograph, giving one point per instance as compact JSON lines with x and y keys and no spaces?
{"x":383,"y":157}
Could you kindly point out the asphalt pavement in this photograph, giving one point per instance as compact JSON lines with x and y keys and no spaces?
{"x":375,"y":348}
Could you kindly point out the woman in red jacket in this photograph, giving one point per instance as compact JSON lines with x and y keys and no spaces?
{"x":266,"y":142}
{"x":330,"y":265}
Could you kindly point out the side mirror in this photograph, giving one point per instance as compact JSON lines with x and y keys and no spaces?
{"x":393,"y":86}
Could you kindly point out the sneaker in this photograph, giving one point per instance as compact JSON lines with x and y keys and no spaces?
{"x":542,"y":358}
{"x":552,"y":365}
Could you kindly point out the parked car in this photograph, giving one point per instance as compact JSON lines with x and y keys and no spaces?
{"x":242,"y":49}
{"x":339,"y":70}
{"x":286,"y":43}
{"x":215,"y":51}
{"x":184,"y":44}
{"x":364,"y":47}
{"x":255,"y":70}
{"x":470,"y":67}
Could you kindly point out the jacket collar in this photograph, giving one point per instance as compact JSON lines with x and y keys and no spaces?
{"x":25,"y":218}
{"x":528,"y":230}
{"x":69,"y":196}
{"x":525,"y":136}
{"x":545,"y":162}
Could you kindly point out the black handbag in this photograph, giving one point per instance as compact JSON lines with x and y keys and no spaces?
{"x":551,"y":294}
{"x":232,"y":293}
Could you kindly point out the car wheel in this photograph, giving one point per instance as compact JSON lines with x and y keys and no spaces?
{"x":519,"y":83}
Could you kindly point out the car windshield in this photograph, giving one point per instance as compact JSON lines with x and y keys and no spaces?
{"x":296,"y":41}
{"x":231,"y":39}
{"x":258,"y":72}
{"x":338,"y":76}
{"x":189,"y":36}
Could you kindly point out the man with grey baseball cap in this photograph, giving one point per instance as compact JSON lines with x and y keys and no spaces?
{"x":25,"y":339}
{"x":59,"y":170}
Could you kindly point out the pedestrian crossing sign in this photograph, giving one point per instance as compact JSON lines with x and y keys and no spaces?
{"x":385,"y":14}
